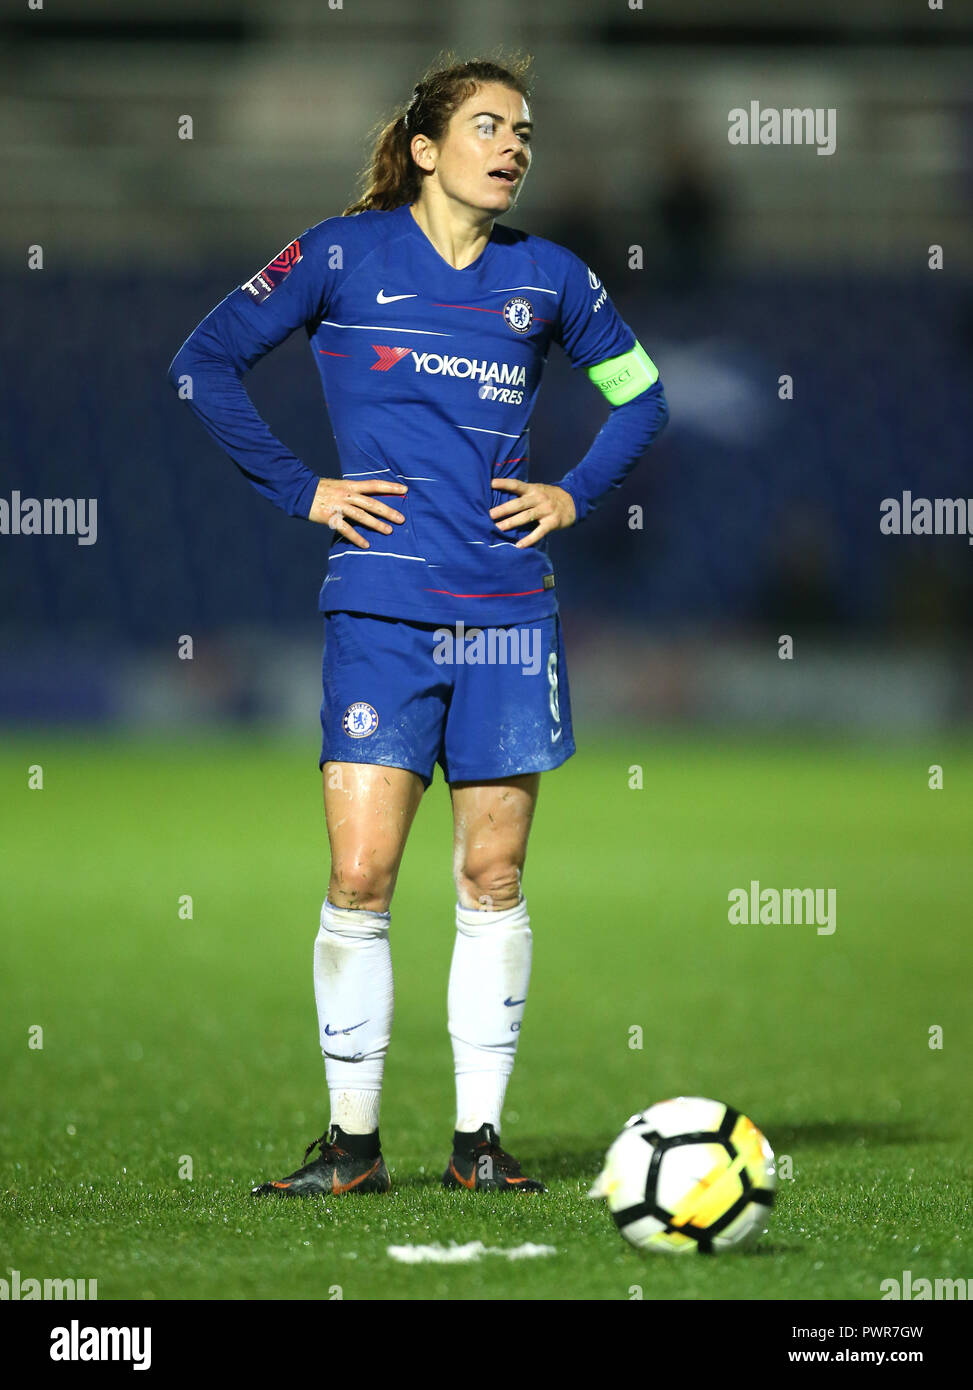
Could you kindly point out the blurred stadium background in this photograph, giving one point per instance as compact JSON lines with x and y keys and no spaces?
{"x":760,"y":514}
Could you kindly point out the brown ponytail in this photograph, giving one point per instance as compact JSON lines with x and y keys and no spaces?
{"x":392,"y":176}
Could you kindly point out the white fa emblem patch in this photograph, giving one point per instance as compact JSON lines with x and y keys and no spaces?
{"x":359,"y":720}
{"x":518,"y":314}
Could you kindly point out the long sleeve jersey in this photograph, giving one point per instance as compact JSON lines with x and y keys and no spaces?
{"x":430,"y":375}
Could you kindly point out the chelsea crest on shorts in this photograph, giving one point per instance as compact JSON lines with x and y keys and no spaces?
{"x":359,"y":720}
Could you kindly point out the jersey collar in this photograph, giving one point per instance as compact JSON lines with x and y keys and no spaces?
{"x":410,"y":222}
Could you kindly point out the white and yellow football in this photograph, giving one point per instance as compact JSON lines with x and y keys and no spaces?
{"x":689,"y":1175}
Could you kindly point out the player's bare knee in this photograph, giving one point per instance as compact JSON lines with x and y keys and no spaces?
{"x":361,"y":885}
{"x":493,"y":888}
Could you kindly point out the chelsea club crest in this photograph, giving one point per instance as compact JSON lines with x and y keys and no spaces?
{"x":518,"y":314}
{"x":359,"y":720}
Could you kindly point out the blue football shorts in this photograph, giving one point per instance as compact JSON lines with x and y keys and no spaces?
{"x":482,"y":702}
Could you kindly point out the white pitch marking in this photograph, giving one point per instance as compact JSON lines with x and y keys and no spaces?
{"x":454,"y":1254}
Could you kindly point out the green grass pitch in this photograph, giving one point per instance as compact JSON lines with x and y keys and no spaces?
{"x":165,"y":1037}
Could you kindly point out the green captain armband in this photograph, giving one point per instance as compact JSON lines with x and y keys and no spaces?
{"x":622,"y":378}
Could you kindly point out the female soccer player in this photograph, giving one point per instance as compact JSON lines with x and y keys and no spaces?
{"x":430,"y":325}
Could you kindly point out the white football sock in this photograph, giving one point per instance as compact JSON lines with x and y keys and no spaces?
{"x":353,"y":992}
{"x":488,"y":982}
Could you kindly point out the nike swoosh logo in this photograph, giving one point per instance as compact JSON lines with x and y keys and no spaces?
{"x":333,"y":1032}
{"x":383,"y":298}
{"x":512,"y":1003}
{"x":338,"y":1187}
{"x":469,"y":1182}
{"x":556,"y":736}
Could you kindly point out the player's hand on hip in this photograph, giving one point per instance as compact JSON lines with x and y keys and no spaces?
{"x":340,"y":501}
{"x":552,"y":508}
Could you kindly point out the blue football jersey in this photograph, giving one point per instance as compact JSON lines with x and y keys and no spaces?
{"x":430,"y":375}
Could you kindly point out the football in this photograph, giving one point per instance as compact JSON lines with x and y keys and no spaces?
{"x":689,"y":1175}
